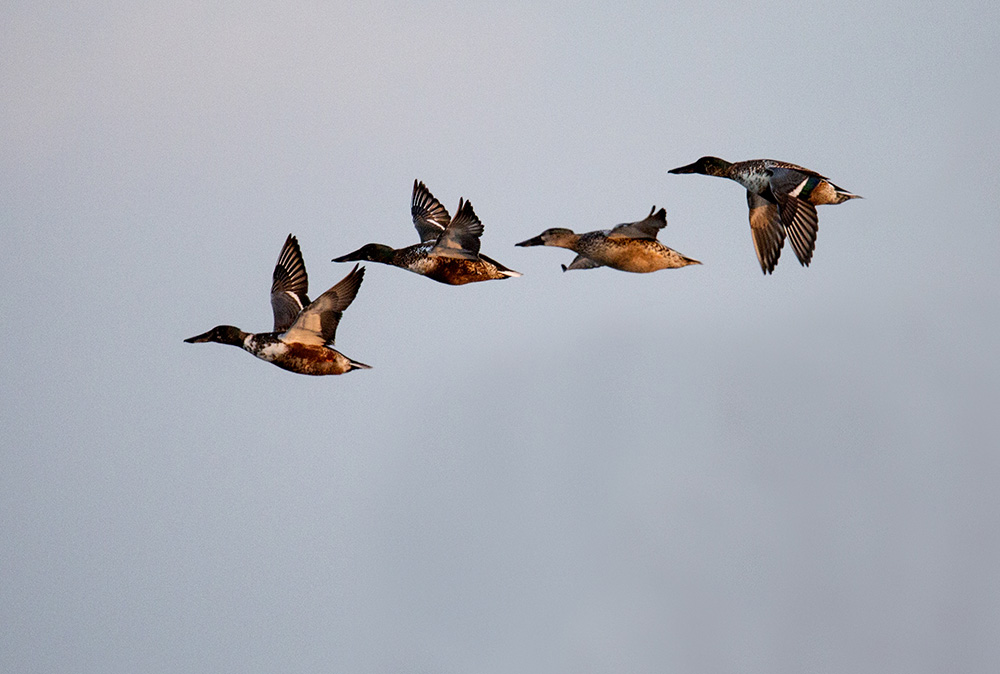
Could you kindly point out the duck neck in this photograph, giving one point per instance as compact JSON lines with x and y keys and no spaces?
{"x":381,"y":253}
{"x":232,"y":336}
{"x":719,"y":167}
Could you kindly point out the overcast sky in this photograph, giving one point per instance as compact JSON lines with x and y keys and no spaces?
{"x":696,"y":470}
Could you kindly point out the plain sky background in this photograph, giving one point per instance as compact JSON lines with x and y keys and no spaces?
{"x":696,"y":470}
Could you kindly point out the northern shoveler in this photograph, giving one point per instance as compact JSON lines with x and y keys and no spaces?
{"x":448,"y":251}
{"x":630,"y":246}
{"x":782,"y":198}
{"x":303,"y":331}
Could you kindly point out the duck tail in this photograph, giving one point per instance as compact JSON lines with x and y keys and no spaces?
{"x":843,"y":195}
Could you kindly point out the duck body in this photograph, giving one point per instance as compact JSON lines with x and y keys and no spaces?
{"x":310,"y":359}
{"x":771,"y":178}
{"x":638,"y":256}
{"x":630,"y":247}
{"x":304,"y":331}
{"x":420,"y":259}
{"x":782,"y":198}
{"x":448,"y":251}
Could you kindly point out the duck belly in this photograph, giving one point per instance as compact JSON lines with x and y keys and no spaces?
{"x":313,"y":360}
{"x":638,"y":256}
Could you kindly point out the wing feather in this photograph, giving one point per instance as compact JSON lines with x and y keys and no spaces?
{"x":430,"y":217}
{"x":289,"y":285}
{"x":647,"y":228}
{"x":801,"y":223}
{"x":765,"y":226}
{"x":461,"y":238}
{"x":582,"y":262}
{"x":317,"y":324}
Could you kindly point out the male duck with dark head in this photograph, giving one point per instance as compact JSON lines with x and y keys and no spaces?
{"x":630,"y":246}
{"x":782,"y":199}
{"x":448,"y":251}
{"x":303,"y":331}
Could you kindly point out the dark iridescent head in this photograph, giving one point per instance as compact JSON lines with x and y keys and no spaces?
{"x":709,"y":166}
{"x":374,"y":252}
{"x":223,"y":334}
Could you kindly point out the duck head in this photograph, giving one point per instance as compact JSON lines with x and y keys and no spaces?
{"x":374,"y":252}
{"x":223,"y":334}
{"x":709,"y":166}
{"x":557,"y":236}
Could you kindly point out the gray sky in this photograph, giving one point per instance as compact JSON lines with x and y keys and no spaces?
{"x":701,"y":469}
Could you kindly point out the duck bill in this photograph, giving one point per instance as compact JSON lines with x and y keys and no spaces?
{"x":537,"y":241}
{"x":204,"y":337}
{"x":350,"y":257}
{"x":690,"y":168}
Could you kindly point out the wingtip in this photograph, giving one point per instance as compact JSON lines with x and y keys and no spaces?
{"x":357,"y":273}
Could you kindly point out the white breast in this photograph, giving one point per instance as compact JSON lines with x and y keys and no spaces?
{"x":268,"y":349}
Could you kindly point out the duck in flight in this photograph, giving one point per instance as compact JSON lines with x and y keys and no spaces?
{"x":630,"y":246}
{"x":448,"y":251}
{"x":304,"y":331}
{"x":782,"y":198}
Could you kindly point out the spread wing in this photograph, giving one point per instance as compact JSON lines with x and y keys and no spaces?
{"x":801,"y":223}
{"x":798,"y":216}
{"x":289,"y":285}
{"x":461,"y":238}
{"x":581,"y":262}
{"x":430,"y":217}
{"x":765,"y":225}
{"x":317,"y":324}
{"x":648,"y":228}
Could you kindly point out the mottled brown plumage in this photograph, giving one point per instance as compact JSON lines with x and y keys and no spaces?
{"x":630,"y":246}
